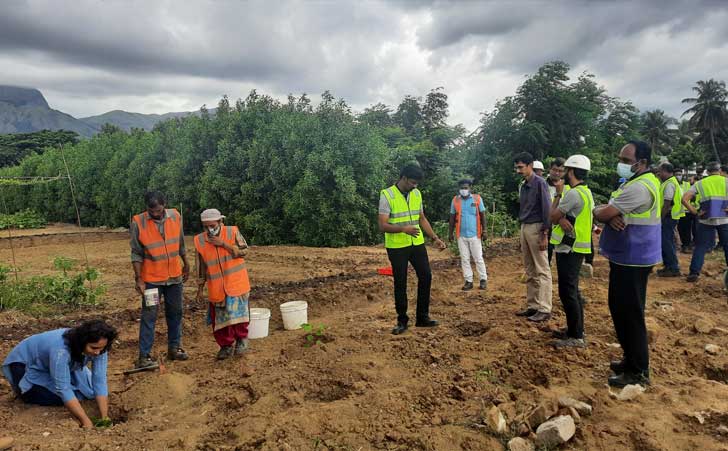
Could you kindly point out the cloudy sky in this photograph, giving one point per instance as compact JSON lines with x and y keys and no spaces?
{"x":156,"y":56}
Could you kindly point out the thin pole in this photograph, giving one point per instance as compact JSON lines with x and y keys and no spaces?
{"x":78,"y":213}
{"x":10,"y":236}
{"x":492,"y":223}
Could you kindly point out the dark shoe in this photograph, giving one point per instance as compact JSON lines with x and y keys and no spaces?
{"x":527,"y":312}
{"x":224,"y":352}
{"x":668,"y":273}
{"x":468,"y":286}
{"x":145,"y":362}
{"x":426,"y":323}
{"x":241,"y":346}
{"x":569,"y":343}
{"x":177,"y":354}
{"x":399,"y":329}
{"x":628,"y":378}
{"x":685,"y":250}
{"x":559,"y":334}
{"x":618,"y":366}
{"x":692,"y":278}
{"x":483,"y":284}
{"x":539,"y":317}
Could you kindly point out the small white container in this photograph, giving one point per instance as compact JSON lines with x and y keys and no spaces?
{"x":151,"y":297}
{"x":294,"y":313}
{"x":259,"y":320}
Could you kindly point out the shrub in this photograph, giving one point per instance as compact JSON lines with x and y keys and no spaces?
{"x":26,"y":219}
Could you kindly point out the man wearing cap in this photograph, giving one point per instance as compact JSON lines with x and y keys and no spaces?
{"x":572,"y":240}
{"x":157,"y":246}
{"x":468,"y":222}
{"x":538,"y":168}
{"x":220,"y":265}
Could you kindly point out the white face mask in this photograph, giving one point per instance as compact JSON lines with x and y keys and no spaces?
{"x":213,"y":230}
{"x":624,"y":170}
{"x":679,"y":178}
{"x":465,"y":192}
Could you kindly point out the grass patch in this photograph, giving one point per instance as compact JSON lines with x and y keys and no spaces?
{"x":26,"y":219}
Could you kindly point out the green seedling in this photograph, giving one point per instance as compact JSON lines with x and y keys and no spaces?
{"x":314,"y":334}
{"x":102,"y":423}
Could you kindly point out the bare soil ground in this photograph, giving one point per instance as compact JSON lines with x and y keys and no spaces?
{"x":428,"y":389}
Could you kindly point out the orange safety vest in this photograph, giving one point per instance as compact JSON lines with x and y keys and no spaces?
{"x":459,"y":211}
{"x":225,"y":275}
{"x":161,"y":254}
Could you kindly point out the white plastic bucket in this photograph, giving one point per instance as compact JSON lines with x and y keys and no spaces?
{"x":258,"y":327}
{"x":294,"y":313}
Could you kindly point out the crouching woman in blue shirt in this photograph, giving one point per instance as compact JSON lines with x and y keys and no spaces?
{"x":51,"y":368}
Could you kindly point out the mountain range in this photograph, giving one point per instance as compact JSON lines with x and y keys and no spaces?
{"x":25,"y":110}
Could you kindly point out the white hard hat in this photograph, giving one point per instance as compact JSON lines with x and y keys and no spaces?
{"x":537,"y":165}
{"x":578,"y":162}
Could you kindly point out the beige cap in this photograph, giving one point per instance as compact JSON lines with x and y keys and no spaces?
{"x":211,"y":214}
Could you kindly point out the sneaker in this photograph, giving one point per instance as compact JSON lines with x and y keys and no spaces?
{"x":569,"y":343}
{"x":692,"y":278}
{"x":427,"y":322}
{"x":224,"y":352}
{"x":539,"y":317}
{"x":587,"y":270}
{"x":468,"y":286}
{"x":527,"y":312}
{"x":668,"y":273}
{"x":618,"y":366}
{"x":399,"y":329}
{"x":483,"y":284}
{"x":241,"y":346}
{"x":559,"y":334}
{"x":145,"y":362}
{"x":628,"y":378}
{"x":177,"y":354}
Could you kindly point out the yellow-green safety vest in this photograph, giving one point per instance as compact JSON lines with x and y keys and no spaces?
{"x":582,"y":226}
{"x":713,"y":191}
{"x":403,"y":212}
{"x":677,"y":211}
{"x":553,"y":198}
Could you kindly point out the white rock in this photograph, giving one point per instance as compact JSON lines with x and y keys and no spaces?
{"x":46,"y":434}
{"x":495,"y":420}
{"x":521,"y":444}
{"x":628,"y":393}
{"x":712,"y":349}
{"x":555,"y":431}
{"x":581,"y":407}
{"x":723,"y":429}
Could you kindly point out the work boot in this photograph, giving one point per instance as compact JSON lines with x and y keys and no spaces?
{"x":427,"y":322}
{"x":629,"y":378}
{"x":560,"y":334}
{"x":144,"y":362}
{"x":483,"y":284}
{"x":224,"y":352}
{"x":468,"y":286}
{"x":400,"y":328}
{"x":569,"y":342}
{"x":241,"y":346}
{"x":587,"y":270}
{"x":618,"y":366}
{"x":177,"y":354}
{"x":692,"y":278}
{"x":539,"y":317}
{"x":668,"y":273}
{"x":527,"y":312}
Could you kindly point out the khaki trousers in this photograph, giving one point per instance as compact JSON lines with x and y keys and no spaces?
{"x":538,"y":271}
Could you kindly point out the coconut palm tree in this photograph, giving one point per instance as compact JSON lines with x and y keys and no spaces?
{"x":709,"y":113}
{"x":656,"y":130}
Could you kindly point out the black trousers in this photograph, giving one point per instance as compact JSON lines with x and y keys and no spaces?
{"x":400,"y":258}
{"x":568,"y":267}
{"x":627,"y":294}
{"x":685,"y":229}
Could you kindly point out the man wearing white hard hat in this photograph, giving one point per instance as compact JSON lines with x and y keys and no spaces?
{"x":538,"y":168}
{"x":572,"y":240}
{"x":220,"y":265}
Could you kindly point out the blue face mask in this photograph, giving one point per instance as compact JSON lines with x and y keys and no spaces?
{"x":624,"y":170}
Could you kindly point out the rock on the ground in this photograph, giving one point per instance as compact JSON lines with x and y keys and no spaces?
{"x":703,"y":326}
{"x":712,"y":349}
{"x":520,"y":444}
{"x":6,"y":442}
{"x":628,"y":393}
{"x":495,"y":421}
{"x":653,"y":330}
{"x":556,"y":431}
{"x":543,"y":412}
{"x":722,"y":430}
{"x":581,"y":407}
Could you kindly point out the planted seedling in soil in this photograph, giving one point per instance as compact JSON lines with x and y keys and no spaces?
{"x":315,"y":335}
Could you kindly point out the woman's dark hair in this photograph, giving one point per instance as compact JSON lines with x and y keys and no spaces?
{"x":154,"y":198}
{"x":523,"y":157}
{"x":89,"y":332}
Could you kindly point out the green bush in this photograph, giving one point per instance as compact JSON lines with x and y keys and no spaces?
{"x":44,"y":294}
{"x":26,"y":219}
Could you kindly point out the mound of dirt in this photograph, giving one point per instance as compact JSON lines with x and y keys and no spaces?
{"x":163,"y":389}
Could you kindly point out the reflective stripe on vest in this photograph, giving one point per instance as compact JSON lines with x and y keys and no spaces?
{"x":553,"y":198}
{"x":639,"y":244}
{"x":582,"y":225}
{"x":226,"y":275}
{"x":457,"y":203}
{"x":161,"y":261}
{"x":713,"y":196}
{"x":677,"y":211}
{"x":403,"y":212}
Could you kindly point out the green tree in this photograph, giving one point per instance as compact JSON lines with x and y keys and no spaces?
{"x":709,"y":113}
{"x":656,"y":130}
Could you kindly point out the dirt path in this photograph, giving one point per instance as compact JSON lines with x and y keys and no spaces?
{"x":366,"y":389}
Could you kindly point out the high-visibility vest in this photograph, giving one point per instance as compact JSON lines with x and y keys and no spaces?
{"x":640,"y":243}
{"x":457,"y":203}
{"x":403,"y":212}
{"x":553,"y":199}
{"x":582,"y":226}
{"x":685,"y":186}
{"x":677,"y":211}
{"x":161,"y":254}
{"x":226,"y":275}
{"x":713,"y":191}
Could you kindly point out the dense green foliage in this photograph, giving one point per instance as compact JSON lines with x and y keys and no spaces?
{"x":291,"y":172}
{"x":15,"y":147}
{"x":26,"y":219}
